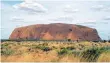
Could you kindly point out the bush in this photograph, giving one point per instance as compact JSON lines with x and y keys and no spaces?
{"x":104,"y":41}
{"x":4,"y":46}
{"x":108,"y":40}
{"x":66,"y":50}
{"x":53,"y":47}
{"x":104,"y":57}
{"x":44,"y":48}
{"x":63,"y":51}
{"x":91,"y":55}
{"x":76,"y":53}
{"x":71,"y":48}
{"x":45,"y":44}
{"x":6,"y":52}
{"x":69,"y":40}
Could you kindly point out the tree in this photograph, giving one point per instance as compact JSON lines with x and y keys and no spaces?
{"x":69,"y":40}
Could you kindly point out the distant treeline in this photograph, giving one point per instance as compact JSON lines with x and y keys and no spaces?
{"x":69,"y":40}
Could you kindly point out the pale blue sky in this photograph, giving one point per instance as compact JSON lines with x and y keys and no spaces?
{"x":95,"y":14}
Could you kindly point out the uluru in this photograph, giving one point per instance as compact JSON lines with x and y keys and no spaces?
{"x":55,"y":31}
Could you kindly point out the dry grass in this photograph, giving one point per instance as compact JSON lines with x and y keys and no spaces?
{"x":53,"y":51}
{"x":104,"y":57}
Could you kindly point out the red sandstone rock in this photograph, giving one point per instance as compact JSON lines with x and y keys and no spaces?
{"x":56,"y":31}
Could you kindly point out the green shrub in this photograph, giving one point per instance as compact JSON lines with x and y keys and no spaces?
{"x":63,"y":51}
{"x":70,"y":48}
{"x":76,"y":53}
{"x":92,"y":54}
{"x":4,"y":46}
{"x":7,"y":52}
{"x":44,"y":48}
{"x":53,"y":47}
{"x":45,"y":44}
{"x":66,"y":50}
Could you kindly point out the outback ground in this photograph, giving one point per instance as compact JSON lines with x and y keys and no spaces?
{"x":55,"y":51}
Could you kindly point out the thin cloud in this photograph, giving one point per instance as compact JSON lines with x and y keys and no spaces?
{"x":107,"y":18}
{"x":107,"y":9}
{"x":101,"y":8}
{"x":63,"y":19}
{"x":98,"y":7}
{"x":31,"y":6}
{"x":70,"y":9}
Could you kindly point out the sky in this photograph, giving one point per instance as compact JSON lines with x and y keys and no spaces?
{"x":94,"y":14}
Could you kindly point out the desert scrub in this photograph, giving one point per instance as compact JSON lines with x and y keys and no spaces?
{"x":44,"y":48}
{"x":92,"y":54}
{"x":76,"y":53}
{"x":45,"y":44}
{"x":53,"y":47}
{"x":18,"y":43}
{"x":70,"y":47}
{"x":7,"y":51}
{"x":104,"y":57}
{"x":65,"y":50}
{"x":62,"y":51}
{"x":3,"y":46}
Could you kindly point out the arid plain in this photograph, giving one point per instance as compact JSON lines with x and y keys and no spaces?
{"x":55,"y":51}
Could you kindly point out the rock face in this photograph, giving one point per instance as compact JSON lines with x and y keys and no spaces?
{"x":55,"y":31}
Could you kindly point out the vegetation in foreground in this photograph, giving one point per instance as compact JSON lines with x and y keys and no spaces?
{"x":55,"y":51}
